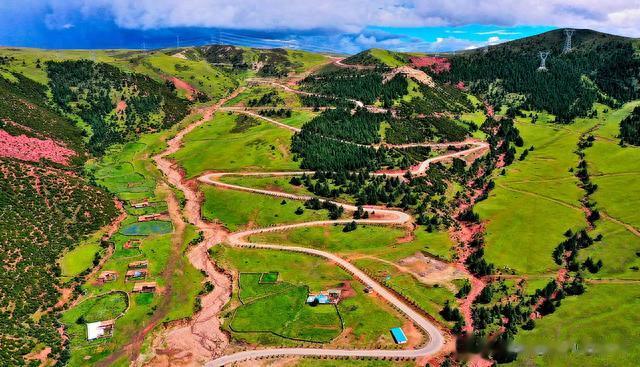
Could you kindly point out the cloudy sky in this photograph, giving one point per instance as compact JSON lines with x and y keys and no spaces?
{"x":345,"y":26}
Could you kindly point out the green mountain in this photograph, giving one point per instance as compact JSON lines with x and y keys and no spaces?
{"x":599,"y":68}
{"x":377,"y":57}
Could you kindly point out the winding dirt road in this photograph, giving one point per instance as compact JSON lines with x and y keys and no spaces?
{"x":205,"y":331}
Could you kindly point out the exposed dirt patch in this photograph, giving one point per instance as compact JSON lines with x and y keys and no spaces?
{"x":32,"y":149}
{"x":121,"y":106}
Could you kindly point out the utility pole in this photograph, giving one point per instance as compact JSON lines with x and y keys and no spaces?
{"x":543,"y":60}
{"x":144,"y":46}
{"x":177,"y":41}
{"x":567,"y":41}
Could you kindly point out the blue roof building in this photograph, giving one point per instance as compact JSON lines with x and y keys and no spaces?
{"x":398,"y":335}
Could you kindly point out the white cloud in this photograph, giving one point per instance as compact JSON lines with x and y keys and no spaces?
{"x":616,"y":16}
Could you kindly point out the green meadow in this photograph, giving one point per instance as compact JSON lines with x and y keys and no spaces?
{"x":236,"y":209}
{"x":367,"y":318}
{"x":536,"y":201}
{"x":260,"y":147}
{"x":598,"y":328}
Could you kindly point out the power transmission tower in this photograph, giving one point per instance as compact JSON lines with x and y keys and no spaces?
{"x":567,"y":41}
{"x":543,"y":60}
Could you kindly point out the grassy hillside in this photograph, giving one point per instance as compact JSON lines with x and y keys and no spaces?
{"x":377,"y":57}
{"x":264,"y":62}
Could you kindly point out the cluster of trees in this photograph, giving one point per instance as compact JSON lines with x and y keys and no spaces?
{"x":630,"y":128}
{"x":335,"y":211}
{"x":501,"y":135}
{"x":430,"y":100}
{"x":362,"y":127}
{"x":26,"y":103}
{"x":327,"y":154}
{"x":323,"y":101}
{"x":268,"y":62}
{"x":40,"y":221}
{"x":243,"y":123}
{"x":582,"y":174}
{"x":417,"y":130}
{"x":363,"y":85}
{"x":86,"y":89}
{"x":271,"y":98}
{"x":280,"y":112}
{"x":567,"y":251}
{"x":599,"y":68}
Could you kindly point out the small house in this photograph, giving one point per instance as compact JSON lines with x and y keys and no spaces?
{"x":107,"y":276}
{"x":149,"y":217}
{"x":100,"y":329}
{"x":132,"y":244}
{"x":142,"y":264}
{"x":398,"y":335}
{"x":144,"y":287}
{"x":136,"y":274}
{"x":140,"y":204}
{"x":318,"y":299}
{"x":334,"y":294}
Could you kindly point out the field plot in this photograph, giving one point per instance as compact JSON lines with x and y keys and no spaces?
{"x":248,"y":144}
{"x":236,"y":209}
{"x":280,"y":309}
{"x":367,"y":319}
{"x":598,"y":328}
{"x":386,"y":254}
{"x":536,"y":202}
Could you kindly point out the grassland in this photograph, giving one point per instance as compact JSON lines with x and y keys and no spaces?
{"x":262,"y":147}
{"x":280,"y":183}
{"x":81,"y":257}
{"x":206,"y":78}
{"x":236,"y":209}
{"x":536,"y":201}
{"x":598,"y":328}
{"x":298,"y":118}
{"x":128,"y":171}
{"x":615,"y":170}
{"x":368,"y":247}
{"x":430,"y":298}
{"x":374,"y":241}
{"x":295,"y":319}
{"x":366,"y":318}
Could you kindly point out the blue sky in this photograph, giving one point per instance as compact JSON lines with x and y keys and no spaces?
{"x":344,"y":26}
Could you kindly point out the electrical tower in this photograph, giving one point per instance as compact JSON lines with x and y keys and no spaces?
{"x":567,"y":41}
{"x":543,"y":60}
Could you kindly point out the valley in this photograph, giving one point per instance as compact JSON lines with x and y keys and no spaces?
{"x":219,"y":205}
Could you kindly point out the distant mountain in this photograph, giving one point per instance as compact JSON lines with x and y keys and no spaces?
{"x":599,"y":68}
{"x":377,"y":57}
{"x":266,"y":62}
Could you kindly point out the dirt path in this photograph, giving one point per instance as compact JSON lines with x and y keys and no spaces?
{"x":635,"y":231}
{"x":202,"y":338}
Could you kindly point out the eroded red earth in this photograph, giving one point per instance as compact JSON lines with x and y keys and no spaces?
{"x":33,"y":149}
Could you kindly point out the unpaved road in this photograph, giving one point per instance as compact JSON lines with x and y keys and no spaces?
{"x":204,"y":334}
{"x":383,"y":217}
